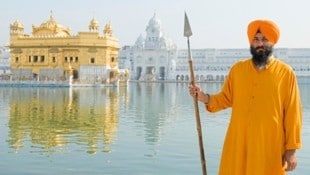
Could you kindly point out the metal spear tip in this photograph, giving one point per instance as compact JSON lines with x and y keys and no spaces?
{"x":187,"y":27}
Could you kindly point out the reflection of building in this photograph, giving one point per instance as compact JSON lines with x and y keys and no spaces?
{"x":52,"y":118}
{"x":51,"y":53}
{"x":152,"y":108}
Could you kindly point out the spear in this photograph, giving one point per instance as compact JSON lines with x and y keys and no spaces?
{"x":188,"y":33}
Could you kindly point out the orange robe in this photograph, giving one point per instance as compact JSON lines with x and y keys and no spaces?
{"x":266,"y":118}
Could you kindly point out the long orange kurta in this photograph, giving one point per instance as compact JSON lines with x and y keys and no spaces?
{"x":266,"y":118}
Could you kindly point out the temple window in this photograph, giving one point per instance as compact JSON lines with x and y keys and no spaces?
{"x":54,"y":59}
{"x":92,"y":60}
{"x":42,"y":58}
{"x":76,"y":59}
{"x":66,"y":59}
{"x":35,"y":58}
{"x":16,"y":59}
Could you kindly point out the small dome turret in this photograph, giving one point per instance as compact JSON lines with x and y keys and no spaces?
{"x":94,"y":25}
{"x":17,"y":27}
{"x":108,"y":29}
{"x":140,"y":42}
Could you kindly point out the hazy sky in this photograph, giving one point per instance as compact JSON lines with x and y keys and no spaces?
{"x":214,"y":23}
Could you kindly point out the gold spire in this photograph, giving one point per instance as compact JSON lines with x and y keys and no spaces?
{"x":108,"y":29}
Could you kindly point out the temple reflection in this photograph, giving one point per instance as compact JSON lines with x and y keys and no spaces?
{"x":93,"y":120}
{"x":153,"y":110}
{"x":55,"y":117}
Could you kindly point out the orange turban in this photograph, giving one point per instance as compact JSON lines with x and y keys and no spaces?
{"x":268,"y":28}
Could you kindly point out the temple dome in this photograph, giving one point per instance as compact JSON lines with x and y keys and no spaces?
{"x":94,"y":25}
{"x":108,"y":29}
{"x":140,"y":42}
{"x":17,"y":25}
{"x":16,"y":28}
{"x":51,"y":27}
{"x":154,"y":23}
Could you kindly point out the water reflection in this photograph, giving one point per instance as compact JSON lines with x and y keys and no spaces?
{"x":152,"y":104}
{"x":147,"y":127}
{"x":50,"y":118}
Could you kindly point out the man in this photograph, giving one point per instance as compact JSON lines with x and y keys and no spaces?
{"x":266,"y":119}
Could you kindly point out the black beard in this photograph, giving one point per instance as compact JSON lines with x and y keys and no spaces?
{"x":260,"y":57}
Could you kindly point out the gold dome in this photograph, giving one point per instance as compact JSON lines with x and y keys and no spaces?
{"x":94,"y":25}
{"x":17,"y":25}
{"x":51,"y":27}
{"x":108,"y":29}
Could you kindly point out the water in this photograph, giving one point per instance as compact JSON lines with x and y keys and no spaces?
{"x":142,"y":129}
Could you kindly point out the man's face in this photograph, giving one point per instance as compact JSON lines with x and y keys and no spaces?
{"x":261,"y":49}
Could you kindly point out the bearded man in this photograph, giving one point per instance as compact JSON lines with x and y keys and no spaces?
{"x":266,"y":119}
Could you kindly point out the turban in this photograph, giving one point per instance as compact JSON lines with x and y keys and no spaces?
{"x":268,"y":28}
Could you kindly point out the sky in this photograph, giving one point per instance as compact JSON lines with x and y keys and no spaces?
{"x":214,"y":23}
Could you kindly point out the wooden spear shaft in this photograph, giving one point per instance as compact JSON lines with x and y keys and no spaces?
{"x":188,"y":33}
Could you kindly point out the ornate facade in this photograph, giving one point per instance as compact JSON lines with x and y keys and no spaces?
{"x":151,"y":57}
{"x":51,"y":52}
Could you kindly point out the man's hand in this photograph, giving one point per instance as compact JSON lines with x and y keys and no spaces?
{"x":290,"y":160}
{"x":196,"y":91}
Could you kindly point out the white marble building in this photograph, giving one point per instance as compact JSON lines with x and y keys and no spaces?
{"x":4,"y":62}
{"x":208,"y":64}
{"x":151,"y":57}
{"x":157,"y":58}
{"x":214,"y":64}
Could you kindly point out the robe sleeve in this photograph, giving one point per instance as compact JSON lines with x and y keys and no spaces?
{"x":292,"y":115}
{"x":223,"y":99}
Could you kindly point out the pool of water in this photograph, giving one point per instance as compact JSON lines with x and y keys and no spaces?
{"x":145,"y":128}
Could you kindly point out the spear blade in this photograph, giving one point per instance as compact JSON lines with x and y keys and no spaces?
{"x":187,"y":27}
